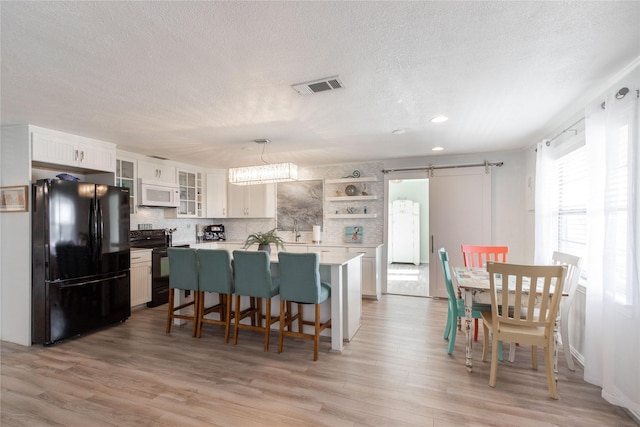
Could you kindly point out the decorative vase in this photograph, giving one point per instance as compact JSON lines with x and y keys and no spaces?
{"x":350,"y":190}
{"x":265,"y":247}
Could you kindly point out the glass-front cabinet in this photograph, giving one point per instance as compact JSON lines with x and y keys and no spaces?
{"x":190,"y":194}
{"x":126,"y":177}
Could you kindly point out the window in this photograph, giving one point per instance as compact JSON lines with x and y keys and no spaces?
{"x":571,"y":211}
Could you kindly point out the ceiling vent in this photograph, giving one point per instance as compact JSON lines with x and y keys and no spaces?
{"x":328,"y":83}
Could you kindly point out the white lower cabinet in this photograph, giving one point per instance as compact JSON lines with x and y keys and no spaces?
{"x":140,"y":277}
{"x":371,"y":270}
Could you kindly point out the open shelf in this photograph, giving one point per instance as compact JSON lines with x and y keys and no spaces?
{"x":350,"y":180}
{"x":350,"y":216}
{"x":350,"y":198}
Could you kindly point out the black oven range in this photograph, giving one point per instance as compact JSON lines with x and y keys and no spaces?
{"x":158,"y":240}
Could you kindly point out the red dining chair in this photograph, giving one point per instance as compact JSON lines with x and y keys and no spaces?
{"x":478,"y":256}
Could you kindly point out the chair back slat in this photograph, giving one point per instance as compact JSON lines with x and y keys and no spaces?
{"x":444,"y":261}
{"x":533,"y":295}
{"x":574,"y":267}
{"x":478,"y":256}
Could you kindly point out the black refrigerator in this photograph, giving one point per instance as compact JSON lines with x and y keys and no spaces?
{"x":80,"y":273}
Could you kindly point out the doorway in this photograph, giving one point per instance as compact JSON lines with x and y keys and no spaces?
{"x":456,"y":203}
{"x":407,"y":237}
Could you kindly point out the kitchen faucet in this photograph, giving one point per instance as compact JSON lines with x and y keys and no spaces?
{"x":296,"y":231}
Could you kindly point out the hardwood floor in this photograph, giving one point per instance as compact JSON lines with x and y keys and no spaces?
{"x":408,"y":279}
{"x":395,"y":372}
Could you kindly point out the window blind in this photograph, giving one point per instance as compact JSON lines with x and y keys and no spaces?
{"x":572,"y":187}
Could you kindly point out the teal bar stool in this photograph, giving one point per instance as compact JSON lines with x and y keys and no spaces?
{"x":456,"y":306}
{"x":300,"y":283}
{"x":183,"y":275}
{"x":252,"y":278}
{"x":215,"y":276}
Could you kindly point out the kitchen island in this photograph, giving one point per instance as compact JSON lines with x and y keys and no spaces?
{"x":344,"y":272}
{"x":371,"y":286}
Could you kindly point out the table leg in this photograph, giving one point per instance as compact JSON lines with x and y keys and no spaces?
{"x":468,"y":301}
{"x":555,"y":350}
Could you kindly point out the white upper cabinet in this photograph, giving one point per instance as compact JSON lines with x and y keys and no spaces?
{"x":251,"y":201}
{"x":217,"y":194}
{"x":126,"y":177}
{"x":156,"y":172}
{"x":57,"y":148}
{"x":191,"y":203}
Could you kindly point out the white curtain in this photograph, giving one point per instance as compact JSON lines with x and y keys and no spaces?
{"x":612,"y":334}
{"x":546,"y":202}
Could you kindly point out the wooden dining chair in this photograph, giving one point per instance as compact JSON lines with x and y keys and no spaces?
{"x":478,"y":256}
{"x":574,"y":267}
{"x":530,"y":319}
{"x":455,"y":307}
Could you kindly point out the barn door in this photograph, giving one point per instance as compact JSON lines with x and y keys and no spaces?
{"x":459,"y":212}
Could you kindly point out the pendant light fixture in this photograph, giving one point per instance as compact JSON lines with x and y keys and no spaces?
{"x":263,"y":174}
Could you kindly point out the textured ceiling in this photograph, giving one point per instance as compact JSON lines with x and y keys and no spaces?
{"x":196,"y":82}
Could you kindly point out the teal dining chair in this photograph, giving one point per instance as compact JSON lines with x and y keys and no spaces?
{"x":300,"y":284}
{"x":215,"y":276}
{"x":455,"y":307}
{"x":183,"y":276}
{"x":252,"y":278}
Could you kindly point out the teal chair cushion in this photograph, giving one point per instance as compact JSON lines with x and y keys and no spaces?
{"x":252,"y":275}
{"x":300,"y":278}
{"x":183,"y":268}
{"x":215,"y":271}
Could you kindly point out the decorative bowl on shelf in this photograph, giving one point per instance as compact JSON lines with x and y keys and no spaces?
{"x":350,"y":190}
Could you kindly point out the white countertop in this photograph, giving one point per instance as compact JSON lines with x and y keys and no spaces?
{"x":309,"y":244}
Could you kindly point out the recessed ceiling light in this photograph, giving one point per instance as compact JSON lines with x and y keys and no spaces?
{"x":398,"y":131}
{"x":437,"y":148}
{"x":439,"y":119}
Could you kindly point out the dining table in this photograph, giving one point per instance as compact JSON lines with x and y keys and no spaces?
{"x":473,"y":283}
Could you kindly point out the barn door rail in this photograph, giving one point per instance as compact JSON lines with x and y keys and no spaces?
{"x":431,"y":168}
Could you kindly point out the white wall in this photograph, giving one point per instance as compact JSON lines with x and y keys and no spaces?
{"x":509,"y":225}
{"x":15,"y":240}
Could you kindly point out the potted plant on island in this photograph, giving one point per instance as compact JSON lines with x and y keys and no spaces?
{"x":264,"y":240}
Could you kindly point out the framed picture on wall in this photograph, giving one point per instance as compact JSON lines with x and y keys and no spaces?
{"x":14,"y":199}
{"x":354,"y":234}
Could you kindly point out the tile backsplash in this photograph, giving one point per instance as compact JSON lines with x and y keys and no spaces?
{"x":333,"y":230}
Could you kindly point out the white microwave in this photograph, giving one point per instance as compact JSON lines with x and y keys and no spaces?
{"x":161,"y":194}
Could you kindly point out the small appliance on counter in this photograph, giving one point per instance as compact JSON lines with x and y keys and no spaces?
{"x":199,"y":233}
{"x":214,"y":232}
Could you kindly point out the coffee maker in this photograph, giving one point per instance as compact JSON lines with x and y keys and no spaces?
{"x":214,"y":232}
